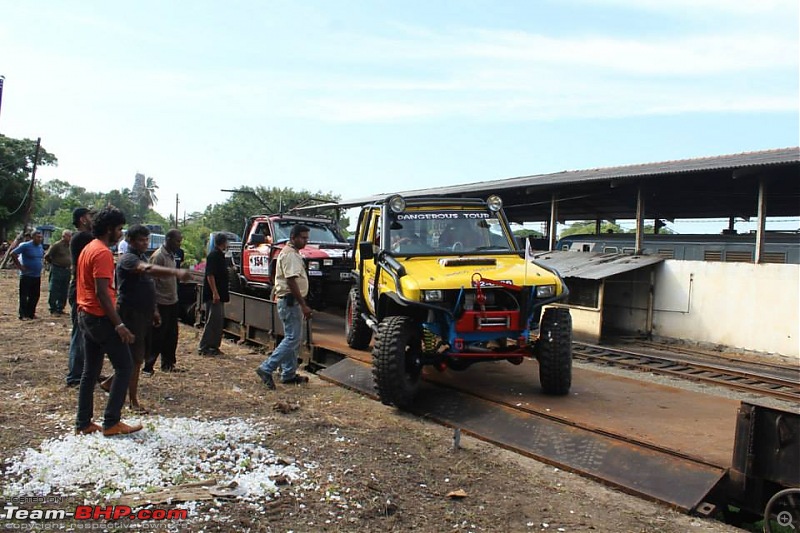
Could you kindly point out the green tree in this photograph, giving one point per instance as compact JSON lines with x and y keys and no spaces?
{"x":16,"y":165}
{"x":528,"y":233}
{"x":121,"y":199}
{"x":195,"y":237}
{"x":232,"y":214}
{"x":143,"y":196}
{"x":588,"y":227}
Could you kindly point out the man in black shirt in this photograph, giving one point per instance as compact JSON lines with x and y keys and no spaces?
{"x":82,"y":220}
{"x":215,"y":294}
{"x":136,"y":301}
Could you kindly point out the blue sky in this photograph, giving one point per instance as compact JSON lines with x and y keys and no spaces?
{"x":362,"y":97}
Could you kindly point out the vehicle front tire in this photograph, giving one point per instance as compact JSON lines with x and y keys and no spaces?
{"x":554,"y":351}
{"x":396,"y":364}
{"x":357,"y":332}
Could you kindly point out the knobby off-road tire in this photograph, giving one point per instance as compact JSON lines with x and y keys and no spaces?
{"x":396,"y":361}
{"x":356,"y":330}
{"x":554,"y":351}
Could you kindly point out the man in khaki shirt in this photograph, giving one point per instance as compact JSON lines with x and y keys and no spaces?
{"x":291,"y":288}
{"x":165,"y":336}
{"x":58,"y":255}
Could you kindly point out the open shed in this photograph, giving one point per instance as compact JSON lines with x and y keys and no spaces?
{"x":610,"y":294}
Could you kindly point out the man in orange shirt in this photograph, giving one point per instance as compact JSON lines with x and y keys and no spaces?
{"x":103,"y":330}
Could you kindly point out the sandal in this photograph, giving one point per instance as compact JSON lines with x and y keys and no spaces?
{"x":138,"y":409}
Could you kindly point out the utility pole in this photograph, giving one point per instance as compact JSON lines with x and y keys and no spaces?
{"x":176,"y":210}
{"x":2,"y":79}
{"x":29,"y":207}
{"x":31,"y":189}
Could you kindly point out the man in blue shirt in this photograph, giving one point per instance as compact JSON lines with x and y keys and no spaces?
{"x":27,"y":258}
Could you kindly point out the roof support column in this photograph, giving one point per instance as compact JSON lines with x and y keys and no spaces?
{"x":597,"y":225}
{"x":552,"y":228}
{"x":639,"y":219}
{"x":762,"y":218}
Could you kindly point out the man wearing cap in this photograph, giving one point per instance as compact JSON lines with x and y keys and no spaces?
{"x":28,"y":259}
{"x":82,"y":220}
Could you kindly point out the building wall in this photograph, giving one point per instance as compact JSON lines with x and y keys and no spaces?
{"x":742,"y":305}
{"x":625,"y":302}
{"x":586,"y":323}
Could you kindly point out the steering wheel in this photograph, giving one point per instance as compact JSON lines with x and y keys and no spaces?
{"x":457,"y":246}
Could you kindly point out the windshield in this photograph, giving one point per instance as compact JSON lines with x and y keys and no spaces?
{"x":320,"y":233}
{"x":423,"y":232}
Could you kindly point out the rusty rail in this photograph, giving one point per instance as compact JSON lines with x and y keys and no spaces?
{"x":767,"y":384}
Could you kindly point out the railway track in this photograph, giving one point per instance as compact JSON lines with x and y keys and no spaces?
{"x":776,"y":382}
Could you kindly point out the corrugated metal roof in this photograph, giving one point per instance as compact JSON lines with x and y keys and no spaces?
{"x":596,"y":266}
{"x":766,"y":158}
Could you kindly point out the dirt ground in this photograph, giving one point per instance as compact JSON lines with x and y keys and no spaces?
{"x":390,"y":472}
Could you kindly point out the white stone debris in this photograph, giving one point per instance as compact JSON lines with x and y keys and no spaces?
{"x":167,"y":452}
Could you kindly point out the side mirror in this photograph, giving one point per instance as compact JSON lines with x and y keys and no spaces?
{"x":257,"y":238}
{"x":365,"y":249}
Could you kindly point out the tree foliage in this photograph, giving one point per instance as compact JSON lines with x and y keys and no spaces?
{"x":524,"y":233}
{"x":56,"y":200}
{"x":232,"y":214}
{"x":588,"y":227}
{"x":16,"y":165}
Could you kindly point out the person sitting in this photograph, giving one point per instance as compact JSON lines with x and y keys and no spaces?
{"x":407,"y":241}
{"x":463,"y":237}
{"x":448,"y":237}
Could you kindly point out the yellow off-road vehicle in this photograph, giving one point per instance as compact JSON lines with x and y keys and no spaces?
{"x":441,"y":282}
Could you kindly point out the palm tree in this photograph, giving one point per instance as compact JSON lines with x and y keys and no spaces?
{"x":143,"y":195}
{"x":149,"y":194}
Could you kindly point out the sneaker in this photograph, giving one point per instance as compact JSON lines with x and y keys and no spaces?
{"x":266,"y":378}
{"x":121,"y":428}
{"x":148,"y":372}
{"x":295,"y":380}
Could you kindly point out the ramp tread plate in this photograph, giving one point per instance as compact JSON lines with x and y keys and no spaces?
{"x":641,"y":470}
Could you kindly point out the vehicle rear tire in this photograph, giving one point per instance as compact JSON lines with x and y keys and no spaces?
{"x":396,"y":364}
{"x":554,"y":351}
{"x":357,"y":332}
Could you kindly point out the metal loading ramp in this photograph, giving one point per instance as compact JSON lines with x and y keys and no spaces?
{"x":632,"y":464}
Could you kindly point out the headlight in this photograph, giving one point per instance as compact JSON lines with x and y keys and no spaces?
{"x":432,"y":296}
{"x":545,"y":291}
{"x":313,"y":265}
{"x":495,"y":203}
{"x":397,"y":204}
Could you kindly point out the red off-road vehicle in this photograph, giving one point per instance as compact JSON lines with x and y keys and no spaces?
{"x":328,"y":257}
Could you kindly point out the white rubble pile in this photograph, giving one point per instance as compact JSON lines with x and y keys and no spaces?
{"x":167,"y":452}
